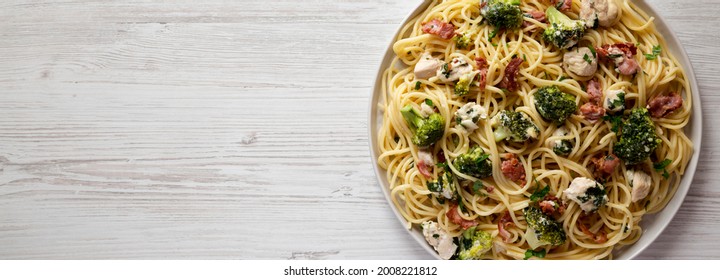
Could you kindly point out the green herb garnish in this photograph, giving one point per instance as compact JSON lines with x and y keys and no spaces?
{"x":615,"y":121}
{"x":655,"y":52}
{"x":531,"y":253}
{"x":539,"y":193}
{"x":658,"y":166}
{"x":477,"y":186}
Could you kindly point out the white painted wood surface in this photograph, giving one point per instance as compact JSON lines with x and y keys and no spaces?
{"x":233,"y":130}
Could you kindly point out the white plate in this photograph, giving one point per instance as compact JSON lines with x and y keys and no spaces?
{"x":652,"y":225}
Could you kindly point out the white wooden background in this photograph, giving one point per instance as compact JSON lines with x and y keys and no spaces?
{"x":233,"y":130}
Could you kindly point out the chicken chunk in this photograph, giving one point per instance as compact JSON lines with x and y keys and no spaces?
{"x":439,"y":239}
{"x":640,"y":182}
{"x":469,"y":114}
{"x":451,"y":72}
{"x":596,"y":13}
{"x":427,"y":67}
{"x":581,"y":62}
{"x":614,"y":100}
{"x":587,"y":193}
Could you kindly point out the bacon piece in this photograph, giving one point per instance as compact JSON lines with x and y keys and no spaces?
{"x":513,"y":169}
{"x":594,"y":91}
{"x":592,"y":112}
{"x":489,"y":189}
{"x":628,"y":48}
{"x":508,"y":82}
{"x":536,"y":15}
{"x":598,"y":238}
{"x":628,"y":67}
{"x":442,"y":29}
{"x":601,"y":53}
{"x":547,"y":207}
{"x":441,"y":156}
{"x":562,"y":5}
{"x":551,"y":205}
{"x":455,"y":217}
{"x":663,"y":105}
{"x":481,"y":62}
{"x":505,"y":222}
{"x":605,"y":165}
{"x":622,"y":55}
{"x":425,"y":163}
{"x":566,"y":5}
{"x":483,"y":66}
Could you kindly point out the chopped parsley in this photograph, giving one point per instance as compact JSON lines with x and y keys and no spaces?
{"x":539,"y":193}
{"x":445,"y":70}
{"x":597,"y":194}
{"x":615,"y":55}
{"x":655,"y":52}
{"x":615,"y":121}
{"x":658,"y":166}
{"x":428,"y":102}
{"x":524,"y":58}
{"x":562,"y":78}
{"x":531,"y":253}
{"x":592,"y":50}
{"x":477,"y":186}
{"x":434,"y":186}
{"x":587,"y":59}
{"x":619,"y":102}
{"x":493,"y":34}
{"x":417,"y":85}
{"x":442,"y":165}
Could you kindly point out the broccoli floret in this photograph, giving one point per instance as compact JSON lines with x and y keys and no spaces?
{"x":515,"y":126}
{"x":462,"y":41}
{"x":542,"y":229}
{"x":444,"y":186}
{"x":462,"y":87}
{"x":562,"y":31}
{"x":426,"y":131}
{"x":474,"y":163}
{"x":637,"y":139}
{"x":554,"y":105}
{"x":474,"y":243}
{"x":503,"y":14}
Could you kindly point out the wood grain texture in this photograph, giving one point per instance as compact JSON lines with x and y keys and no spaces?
{"x":232,"y":130}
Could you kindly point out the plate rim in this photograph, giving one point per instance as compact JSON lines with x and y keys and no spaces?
{"x":695,"y":127}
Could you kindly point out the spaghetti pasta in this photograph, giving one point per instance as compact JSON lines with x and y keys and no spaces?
{"x":590,"y":235}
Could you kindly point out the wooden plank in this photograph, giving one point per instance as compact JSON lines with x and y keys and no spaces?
{"x":145,"y":129}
